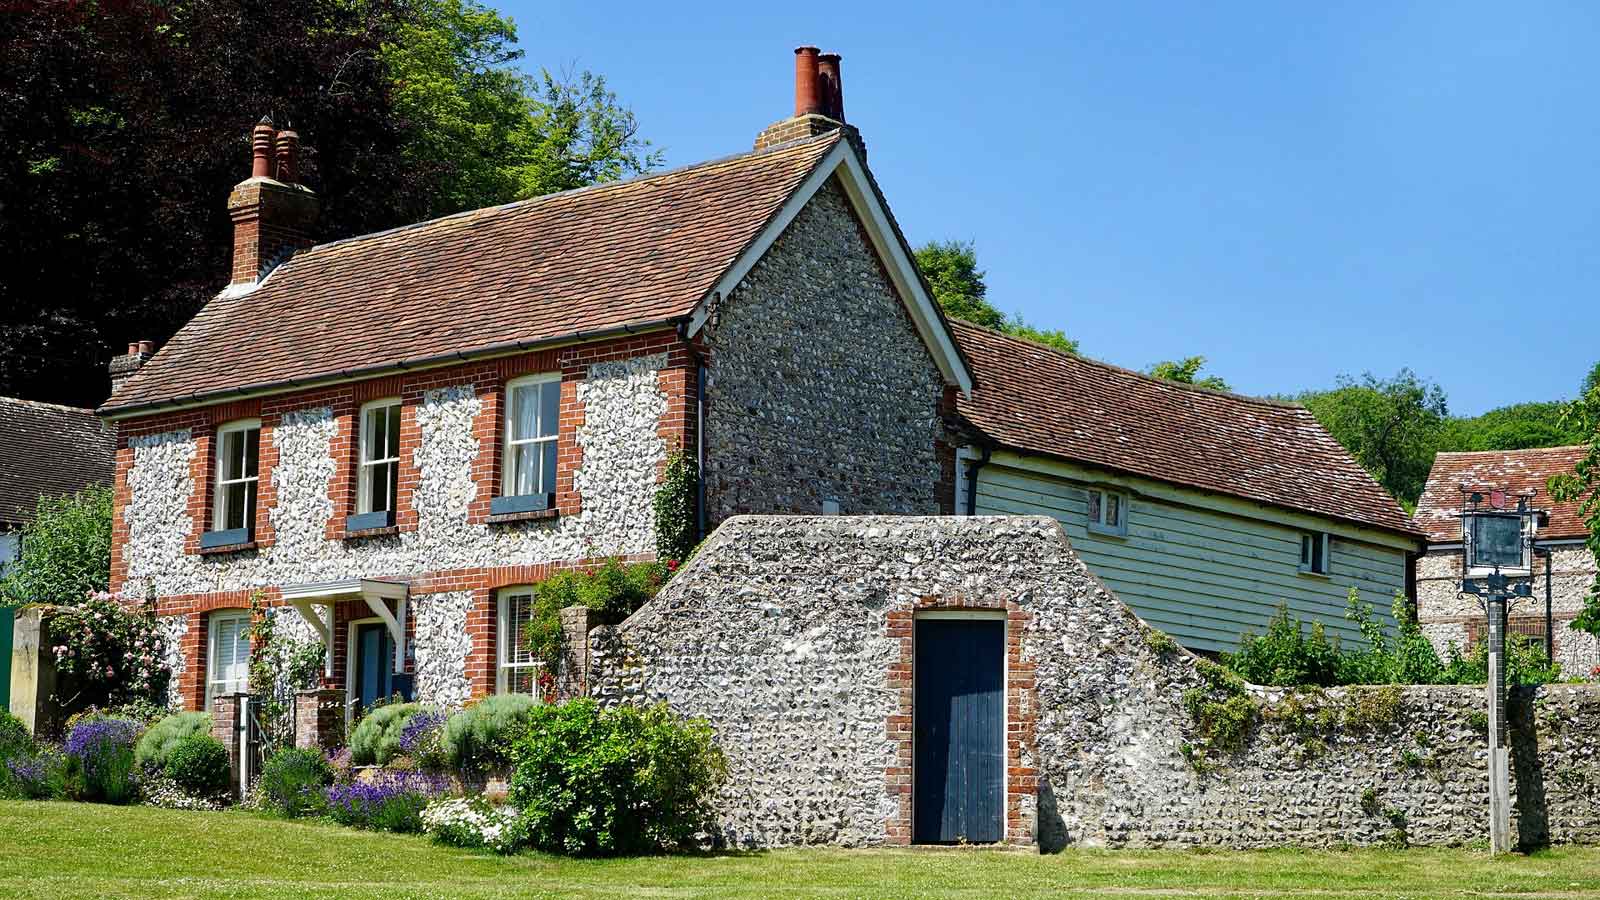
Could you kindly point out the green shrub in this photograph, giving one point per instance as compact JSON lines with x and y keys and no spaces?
{"x":601,"y":782}
{"x":376,"y":738}
{"x":153,"y":748}
{"x":199,"y":766}
{"x":33,"y":776}
{"x":476,"y":738}
{"x":675,"y":509}
{"x":614,"y":590}
{"x":292,"y":782}
{"x":14,"y":737}
{"x":1286,"y":655}
{"x":1526,"y":663}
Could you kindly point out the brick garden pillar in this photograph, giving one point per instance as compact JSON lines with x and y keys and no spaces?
{"x":225,"y":728}
{"x":572,"y":678}
{"x":319,"y":719}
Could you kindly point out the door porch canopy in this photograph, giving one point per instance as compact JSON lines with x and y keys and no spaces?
{"x":377,"y":595}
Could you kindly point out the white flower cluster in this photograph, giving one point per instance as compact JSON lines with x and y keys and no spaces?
{"x":162,"y":791}
{"x":474,"y":822}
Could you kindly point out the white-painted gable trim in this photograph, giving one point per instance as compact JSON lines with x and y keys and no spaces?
{"x":842,"y":160}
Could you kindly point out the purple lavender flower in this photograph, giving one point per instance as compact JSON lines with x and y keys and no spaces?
{"x":391,"y":802}
{"x":97,"y":735}
{"x":418,"y":729}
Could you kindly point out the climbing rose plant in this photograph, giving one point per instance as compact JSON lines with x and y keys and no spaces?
{"x":111,"y":649}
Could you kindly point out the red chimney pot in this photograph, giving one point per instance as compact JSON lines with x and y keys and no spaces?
{"x":288,"y":156}
{"x":144,"y":347}
{"x":829,"y":86}
{"x":806,"y":89}
{"x":261,"y":149}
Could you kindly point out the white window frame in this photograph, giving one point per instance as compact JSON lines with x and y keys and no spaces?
{"x":507,"y":445}
{"x":219,"y":503}
{"x":1308,"y":553}
{"x":1097,"y":519}
{"x":505,"y":660}
{"x":218,"y":685}
{"x":364,"y":498}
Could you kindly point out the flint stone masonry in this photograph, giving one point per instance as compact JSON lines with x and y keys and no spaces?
{"x":620,"y":439}
{"x":779,"y":633}
{"x":173,"y":629}
{"x":819,"y":387}
{"x":1446,"y":615}
{"x":441,"y":644}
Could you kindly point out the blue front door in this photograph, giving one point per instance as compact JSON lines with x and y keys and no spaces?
{"x":374,"y":664}
{"x":959,"y":765}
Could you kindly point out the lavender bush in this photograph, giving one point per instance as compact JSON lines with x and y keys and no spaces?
{"x":393,"y":801}
{"x":100,"y":759}
{"x":33,"y":777}
{"x":419,"y":738}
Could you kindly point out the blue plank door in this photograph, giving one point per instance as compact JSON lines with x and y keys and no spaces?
{"x":374,"y":664}
{"x":959,"y":765}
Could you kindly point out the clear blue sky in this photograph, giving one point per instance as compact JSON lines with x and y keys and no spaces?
{"x":1292,"y":190}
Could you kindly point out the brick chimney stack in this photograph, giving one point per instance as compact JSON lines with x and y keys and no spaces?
{"x":123,"y":367}
{"x":818,"y":102}
{"x":272,"y":212}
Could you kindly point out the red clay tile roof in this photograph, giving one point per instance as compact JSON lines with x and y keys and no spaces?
{"x":582,"y":261}
{"x":1036,"y":400}
{"x":49,"y":450}
{"x":1513,"y":471}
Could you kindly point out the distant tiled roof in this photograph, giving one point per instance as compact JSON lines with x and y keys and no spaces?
{"x":1513,"y":471}
{"x":582,"y":261}
{"x":1036,"y":400}
{"x":48,"y":450}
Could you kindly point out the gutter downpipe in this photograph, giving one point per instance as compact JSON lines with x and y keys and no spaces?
{"x":699,"y":431}
{"x":973,"y":465}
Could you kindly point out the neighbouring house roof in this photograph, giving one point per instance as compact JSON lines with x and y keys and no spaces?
{"x":48,"y":450}
{"x":1036,"y":400}
{"x":569,"y":265}
{"x":1513,"y":471}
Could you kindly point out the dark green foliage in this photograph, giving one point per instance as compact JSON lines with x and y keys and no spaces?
{"x":1516,"y":427}
{"x":614,"y":590}
{"x":14,"y":737}
{"x":124,"y":127}
{"x":159,"y":740}
{"x":199,"y":765}
{"x":1526,"y":663}
{"x":477,"y":739}
{"x":1187,"y":371}
{"x":66,"y":550}
{"x":603,"y":782}
{"x":292,"y":781}
{"x":1221,"y":710}
{"x":677,"y":530}
{"x":1582,"y":486}
{"x":951,"y":269}
{"x":1391,"y":426}
{"x":1286,"y":655}
{"x":1408,"y":658}
{"x":376,"y":739}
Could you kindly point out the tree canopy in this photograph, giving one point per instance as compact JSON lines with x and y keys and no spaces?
{"x":1392,"y":426}
{"x":951,"y":269}
{"x":123,"y":125}
{"x":65,"y":551}
{"x":1582,"y":485}
{"x":1187,"y":371}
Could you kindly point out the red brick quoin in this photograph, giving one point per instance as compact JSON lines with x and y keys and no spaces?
{"x":1022,"y":781}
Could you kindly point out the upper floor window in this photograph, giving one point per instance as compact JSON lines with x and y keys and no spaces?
{"x":1108,"y":512}
{"x":238,"y":468}
{"x":1314,"y":552}
{"x":228,"y":657}
{"x":533,"y":408}
{"x":377,"y":491}
{"x":516,"y":669}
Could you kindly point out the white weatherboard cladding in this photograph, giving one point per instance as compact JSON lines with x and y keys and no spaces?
{"x":620,"y":442}
{"x":1203,"y":575}
{"x":442,"y":644}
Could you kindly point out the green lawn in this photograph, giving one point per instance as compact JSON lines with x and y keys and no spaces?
{"x":82,"y":850}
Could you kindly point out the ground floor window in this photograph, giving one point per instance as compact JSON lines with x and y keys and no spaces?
{"x":517,"y":670}
{"x":228,"y":657}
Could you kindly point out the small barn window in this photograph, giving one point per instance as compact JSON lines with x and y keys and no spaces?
{"x":1314,"y":552}
{"x":1108,"y":512}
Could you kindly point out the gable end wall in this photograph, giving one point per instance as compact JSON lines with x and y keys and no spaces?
{"x":819,"y":386}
